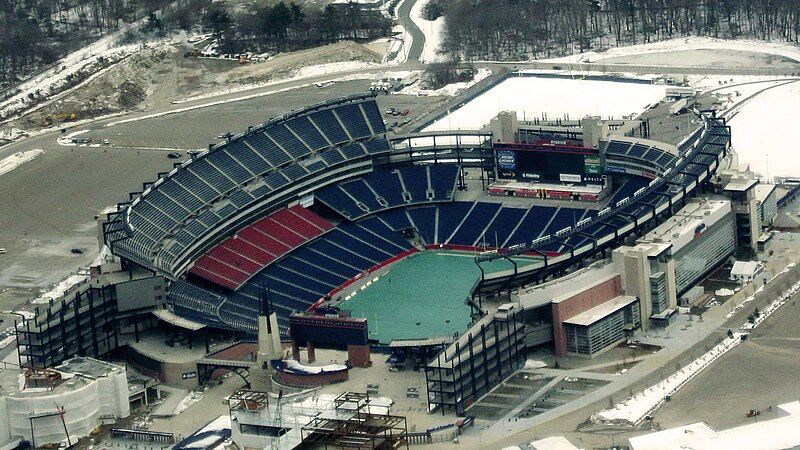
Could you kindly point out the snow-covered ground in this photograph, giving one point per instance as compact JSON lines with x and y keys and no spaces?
{"x":449,"y":90}
{"x":331,"y":68}
{"x":10,"y":163}
{"x":534,"y":97}
{"x":54,"y":79}
{"x":785,"y":50}
{"x":762,"y":134}
{"x":399,"y":46}
{"x":433,"y":31}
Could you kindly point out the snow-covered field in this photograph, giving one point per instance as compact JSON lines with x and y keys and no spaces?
{"x":10,"y":163}
{"x":534,"y":97}
{"x":785,"y":50}
{"x":761,"y":133}
{"x":433,"y":31}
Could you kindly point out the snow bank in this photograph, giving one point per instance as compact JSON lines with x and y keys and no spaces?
{"x":59,"y":289}
{"x":10,"y":163}
{"x":433,"y":31}
{"x":689,"y":43}
{"x":331,"y":68}
{"x":296,"y":366}
{"x":190,"y":399}
{"x":399,"y":46}
{"x":634,"y":409}
{"x":534,"y":97}
{"x":450,"y":90}
{"x":761,"y":138}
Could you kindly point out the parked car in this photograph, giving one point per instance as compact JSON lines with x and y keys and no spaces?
{"x":2,"y":251}
{"x":173,"y":155}
{"x":406,"y":112}
{"x":76,"y":251}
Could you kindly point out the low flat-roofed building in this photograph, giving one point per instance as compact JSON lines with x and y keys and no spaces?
{"x":77,"y":396}
{"x":746,"y":271}
{"x":780,"y":433}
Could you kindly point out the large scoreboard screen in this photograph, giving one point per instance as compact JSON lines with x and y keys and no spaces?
{"x":548,"y":162}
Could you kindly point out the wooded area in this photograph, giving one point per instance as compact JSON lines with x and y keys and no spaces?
{"x":35,"y":33}
{"x":524,"y":29}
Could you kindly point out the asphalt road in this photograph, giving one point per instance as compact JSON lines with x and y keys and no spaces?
{"x":404,"y":19}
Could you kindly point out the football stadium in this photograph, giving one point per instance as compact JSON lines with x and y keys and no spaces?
{"x":457,"y":251}
{"x":307,"y":204}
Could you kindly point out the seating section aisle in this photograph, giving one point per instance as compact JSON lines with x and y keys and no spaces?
{"x":385,"y":189}
{"x":236,"y":259}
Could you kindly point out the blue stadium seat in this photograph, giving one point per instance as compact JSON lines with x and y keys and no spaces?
{"x":474,"y":224}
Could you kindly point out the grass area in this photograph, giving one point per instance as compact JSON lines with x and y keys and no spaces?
{"x":422,"y":296}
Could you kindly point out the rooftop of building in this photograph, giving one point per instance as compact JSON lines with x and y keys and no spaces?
{"x":740,"y":184}
{"x":601,"y":311}
{"x":688,"y":222}
{"x":763,"y":190}
{"x":70,"y":375}
{"x":783,"y":432}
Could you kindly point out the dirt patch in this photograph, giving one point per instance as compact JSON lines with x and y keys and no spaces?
{"x":154,"y":77}
{"x":287,"y":64}
{"x":706,"y":58}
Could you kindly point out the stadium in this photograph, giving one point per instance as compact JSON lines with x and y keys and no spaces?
{"x":456,"y":252}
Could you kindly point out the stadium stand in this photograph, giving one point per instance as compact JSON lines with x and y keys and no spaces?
{"x":165,"y":221}
{"x":234,"y":260}
{"x":384,"y":189}
{"x":297,"y":257}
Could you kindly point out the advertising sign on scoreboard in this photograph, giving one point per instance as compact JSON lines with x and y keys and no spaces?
{"x":551,"y":161}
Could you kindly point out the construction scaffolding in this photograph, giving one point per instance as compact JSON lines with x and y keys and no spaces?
{"x":354,"y":423}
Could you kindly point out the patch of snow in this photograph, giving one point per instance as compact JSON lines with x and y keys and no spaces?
{"x":7,"y":341}
{"x":190,"y":399}
{"x":681,"y":44}
{"x":296,"y":365}
{"x":450,"y":90}
{"x":433,"y":31}
{"x":533,"y":97}
{"x":723,"y":292}
{"x":10,"y":163}
{"x":399,"y":46}
{"x":59,"y":289}
{"x":331,"y":68}
{"x":531,"y":364}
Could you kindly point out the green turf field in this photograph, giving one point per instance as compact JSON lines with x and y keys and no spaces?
{"x":422,"y":296}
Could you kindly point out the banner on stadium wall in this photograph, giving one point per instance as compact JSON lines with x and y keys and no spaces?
{"x":591,"y":165}
{"x":506,"y":160}
{"x":569,"y":178}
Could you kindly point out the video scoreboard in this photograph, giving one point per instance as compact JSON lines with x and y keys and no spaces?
{"x":548,"y":161}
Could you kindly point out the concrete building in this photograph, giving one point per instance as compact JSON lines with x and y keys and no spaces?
{"x":670,"y":259}
{"x":767,"y":201}
{"x":589,"y":309}
{"x":745,"y":205}
{"x":76,"y":396}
